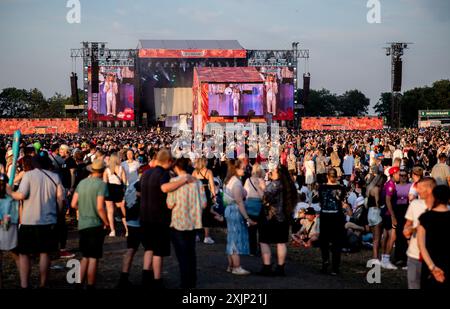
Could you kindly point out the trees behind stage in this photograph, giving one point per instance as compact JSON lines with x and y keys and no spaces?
{"x":435,"y":97}
{"x":324,"y":103}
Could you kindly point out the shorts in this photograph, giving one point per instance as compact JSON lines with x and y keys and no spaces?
{"x":156,"y":238}
{"x":115,"y":193}
{"x":91,"y":242}
{"x":134,"y":238}
{"x":35,"y":239}
{"x":374,"y":216}
{"x":387,"y":220}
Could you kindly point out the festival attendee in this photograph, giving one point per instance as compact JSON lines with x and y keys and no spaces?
{"x":131,"y":168}
{"x":134,"y":238}
{"x":415,"y":210}
{"x":236,"y":217}
{"x":417,"y":175}
{"x":401,"y":206}
{"x":389,"y":194}
{"x":441,"y":171}
{"x":279,"y":201}
{"x":308,"y":235}
{"x":67,"y":173}
{"x":187,"y":204}
{"x":432,"y":234}
{"x":93,"y":225}
{"x":332,"y":221}
{"x":254,"y":186}
{"x":114,"y":176}
{"x":9,"y":219}
{"x":43,"y":198}
{"x":374,"y":204}
{"x":206,"y":177}
{"x":155,"y":217}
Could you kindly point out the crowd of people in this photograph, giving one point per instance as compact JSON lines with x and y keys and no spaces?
{"x":386,"y":191}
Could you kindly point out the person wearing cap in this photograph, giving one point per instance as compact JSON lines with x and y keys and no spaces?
{"x":389,"y":218}
{"x":43,"y":199}
{"x":441,"y":171}
{"x":93,"y":225}
{"x":332,"y":221}
{"x":308,"y":235}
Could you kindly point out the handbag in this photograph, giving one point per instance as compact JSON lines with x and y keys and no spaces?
{"x":253,"y":206}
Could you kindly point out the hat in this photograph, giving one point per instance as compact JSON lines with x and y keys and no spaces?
{"x":97,"y":166}
{"x":310,"y":211}
{"x":393,"y":170}
{"x":359,"y":201}
{"x":379,"y":156}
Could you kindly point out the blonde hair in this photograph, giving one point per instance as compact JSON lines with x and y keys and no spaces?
{"x":257,"y":171}
{"x":200,"y":163}
{"x":114,"y":162}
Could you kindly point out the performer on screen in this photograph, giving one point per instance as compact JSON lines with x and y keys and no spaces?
{"x":271,"y":94}
{"x":111,"y":91}
{"x":236,"y":96}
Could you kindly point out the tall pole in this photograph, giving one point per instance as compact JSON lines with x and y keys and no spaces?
{"x":395,"y":51}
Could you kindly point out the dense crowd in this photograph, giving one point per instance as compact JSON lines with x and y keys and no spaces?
{"x":386,"y":191}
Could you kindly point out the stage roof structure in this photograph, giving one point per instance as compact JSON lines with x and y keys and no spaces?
{"x":229,"y":75}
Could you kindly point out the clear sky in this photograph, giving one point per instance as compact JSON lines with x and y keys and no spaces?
{"x":346,"y":51}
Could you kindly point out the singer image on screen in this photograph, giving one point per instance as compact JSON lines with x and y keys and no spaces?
{"x":236,"y":96}
{"x":271,"y":94}
{"x":111,"y":91}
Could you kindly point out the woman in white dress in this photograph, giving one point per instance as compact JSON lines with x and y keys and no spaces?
{"x":310,"y":170}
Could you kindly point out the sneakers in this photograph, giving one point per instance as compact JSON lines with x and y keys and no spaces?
{"x":112,"y":234}
{"x":64,"y":254}
{"x":208,"y":240}
{"x":229,"y":269}
{"x":240,"y":271}
{"x":388,"y":265}
{"x":372,"y":262}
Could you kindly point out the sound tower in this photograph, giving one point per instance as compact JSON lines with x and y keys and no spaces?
{"x":306,"y":82}
{"x":397,"y":85}
{"x":74,"y":88}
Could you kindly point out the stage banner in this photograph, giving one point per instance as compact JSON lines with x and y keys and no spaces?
{"x":39,"y":126}
{"x":192,"y":53}
{"x":342,"y":123}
